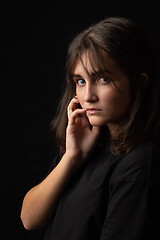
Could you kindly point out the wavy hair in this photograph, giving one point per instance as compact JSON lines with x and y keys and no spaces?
{"x":129,"y":47}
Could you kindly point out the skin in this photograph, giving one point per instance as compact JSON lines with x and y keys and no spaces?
{"x":104,"y":100}
{"x":82,"y":134}
{"x":110,"y":94}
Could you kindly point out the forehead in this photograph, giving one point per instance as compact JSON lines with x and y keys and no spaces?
{"x":89,"y":65}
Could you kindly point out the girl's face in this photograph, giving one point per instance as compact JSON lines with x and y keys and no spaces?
{"x":105,"y":96}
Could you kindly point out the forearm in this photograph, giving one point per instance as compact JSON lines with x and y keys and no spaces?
{"x":40,"y":202}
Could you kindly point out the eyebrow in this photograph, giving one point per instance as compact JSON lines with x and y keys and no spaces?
{"x":92,"y":74}
{"x":75,"y":75}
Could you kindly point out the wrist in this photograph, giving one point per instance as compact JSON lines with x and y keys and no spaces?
{"x":73,"y":160}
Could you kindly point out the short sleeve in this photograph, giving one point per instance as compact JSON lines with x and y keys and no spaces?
{"x":126,"y":212}
{"x":133,"y":205}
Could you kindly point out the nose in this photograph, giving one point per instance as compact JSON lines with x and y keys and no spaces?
{"x":90,"y":93}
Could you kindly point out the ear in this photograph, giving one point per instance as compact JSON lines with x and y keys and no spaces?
{"x":145,"y":80}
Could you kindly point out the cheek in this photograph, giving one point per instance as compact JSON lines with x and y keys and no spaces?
{"x":116,"y":100}
{"x":109,"y":97}
{"x":80,"y":97}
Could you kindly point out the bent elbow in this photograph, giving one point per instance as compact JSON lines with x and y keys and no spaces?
{"x":26,"y":222}
{"x":27,"y":226}
{"x":29,"y":223}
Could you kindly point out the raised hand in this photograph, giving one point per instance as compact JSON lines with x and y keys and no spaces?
{"x":81,"y":137}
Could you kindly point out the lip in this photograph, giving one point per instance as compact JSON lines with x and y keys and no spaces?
{"x":93,"y":110}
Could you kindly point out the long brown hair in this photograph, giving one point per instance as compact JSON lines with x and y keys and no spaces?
{"x":125,"y":43}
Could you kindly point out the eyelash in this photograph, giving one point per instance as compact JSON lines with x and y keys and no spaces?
{"x":107,"y":80}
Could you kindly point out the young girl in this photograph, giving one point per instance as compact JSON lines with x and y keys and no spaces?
{"x":104,"y":183}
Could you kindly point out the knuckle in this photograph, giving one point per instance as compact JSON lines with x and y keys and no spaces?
{"x":69,"y":105}
{"x":68,"y":108}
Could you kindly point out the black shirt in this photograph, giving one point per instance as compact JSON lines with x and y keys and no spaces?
{"x":111,"y":198}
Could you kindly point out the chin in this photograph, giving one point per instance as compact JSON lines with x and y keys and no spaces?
{"x":96,"y":121}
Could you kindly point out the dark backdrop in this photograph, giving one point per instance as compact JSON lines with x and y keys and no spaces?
{"x":36,"y":38}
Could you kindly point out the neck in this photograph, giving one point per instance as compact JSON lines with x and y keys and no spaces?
{"x":112,"y":129}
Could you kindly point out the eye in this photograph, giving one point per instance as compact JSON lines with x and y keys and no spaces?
{"x":80,"y":82}
{"x":104,"y":79}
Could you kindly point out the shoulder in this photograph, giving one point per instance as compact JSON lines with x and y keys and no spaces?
{"x":137,"y":164}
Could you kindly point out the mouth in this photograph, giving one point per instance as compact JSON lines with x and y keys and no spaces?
{"x":93,"y":110}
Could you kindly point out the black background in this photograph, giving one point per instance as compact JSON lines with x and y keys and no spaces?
{"x":36,"y":38}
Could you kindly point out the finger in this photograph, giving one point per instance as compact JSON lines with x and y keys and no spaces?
{"x":72,"y":106}
{"x":74,"y":102}
{"x":76,"y":114}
